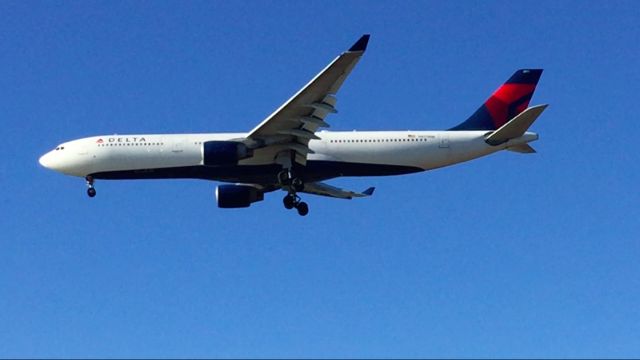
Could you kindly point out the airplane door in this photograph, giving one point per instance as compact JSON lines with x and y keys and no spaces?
{"x":178,"y":146}
{"x":444,"y":141}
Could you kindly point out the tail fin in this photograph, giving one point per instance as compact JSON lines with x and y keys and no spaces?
{"x":509,"y":100}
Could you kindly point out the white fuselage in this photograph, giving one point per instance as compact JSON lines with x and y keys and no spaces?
{"x":140,"y":155}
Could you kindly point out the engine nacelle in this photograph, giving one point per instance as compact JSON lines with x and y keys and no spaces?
{"x":219,"y":153}
{"x":237,"y":196}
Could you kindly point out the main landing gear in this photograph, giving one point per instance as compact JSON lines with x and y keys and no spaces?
{"x":292,"y":200}
{"x":91,"y":191}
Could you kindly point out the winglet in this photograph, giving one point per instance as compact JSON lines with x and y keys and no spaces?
{"x":369,"y":191}
{"x":361,"y":44}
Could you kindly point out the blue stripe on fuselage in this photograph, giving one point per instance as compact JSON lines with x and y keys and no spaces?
{"x":315,"y":170}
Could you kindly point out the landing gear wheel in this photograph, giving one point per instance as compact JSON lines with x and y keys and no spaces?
{"x":91,"y":191}
{"x":303,"y":209}
{"x":289,"y":202}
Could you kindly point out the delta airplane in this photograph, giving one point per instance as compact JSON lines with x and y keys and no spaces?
{"x":287,"y":151}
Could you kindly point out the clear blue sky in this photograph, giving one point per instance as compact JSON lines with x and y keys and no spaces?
{"x":509,"y":255}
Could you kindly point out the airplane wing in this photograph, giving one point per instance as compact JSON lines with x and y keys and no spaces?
{"x":292,"y":125}
{"x":319,"y":188}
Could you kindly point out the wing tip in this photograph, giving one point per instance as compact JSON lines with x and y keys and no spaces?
{"x":369,"y":191}
{"x":361,"y":44}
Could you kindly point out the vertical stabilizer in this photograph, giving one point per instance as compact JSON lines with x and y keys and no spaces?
{"x":508,"y":101}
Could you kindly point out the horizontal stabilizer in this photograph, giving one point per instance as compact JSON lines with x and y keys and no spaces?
{"x":522,"y":149}
{"x":516,"y":127}
{"x":361,"y":44}
{"x":369,"y":191}
{"x":319,"y":188}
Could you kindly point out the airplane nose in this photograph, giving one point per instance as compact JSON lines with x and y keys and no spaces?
{"x":45,"y":160}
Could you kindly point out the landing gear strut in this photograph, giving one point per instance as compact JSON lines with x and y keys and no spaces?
{"x":287,"y":179}
{"x":91,"y":191}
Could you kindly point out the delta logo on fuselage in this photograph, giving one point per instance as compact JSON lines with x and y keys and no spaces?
{"x":122,"y":140}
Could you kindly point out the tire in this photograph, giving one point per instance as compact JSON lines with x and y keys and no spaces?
{"x":289,"y":202}
{"x":91,"y":192}
{"x":303,"y":209}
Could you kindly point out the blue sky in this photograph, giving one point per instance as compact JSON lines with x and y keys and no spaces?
{"x":509,"y":255}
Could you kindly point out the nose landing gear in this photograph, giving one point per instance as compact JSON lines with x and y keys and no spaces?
{"x":91,"y":191}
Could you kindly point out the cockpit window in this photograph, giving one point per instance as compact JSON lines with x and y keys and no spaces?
{"x":60,"y":148}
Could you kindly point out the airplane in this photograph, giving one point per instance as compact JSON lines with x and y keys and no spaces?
{"x":290,"y":150}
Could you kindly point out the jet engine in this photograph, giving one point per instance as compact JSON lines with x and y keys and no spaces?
{"x":237,"y":196}
{"x":220,"y":153}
